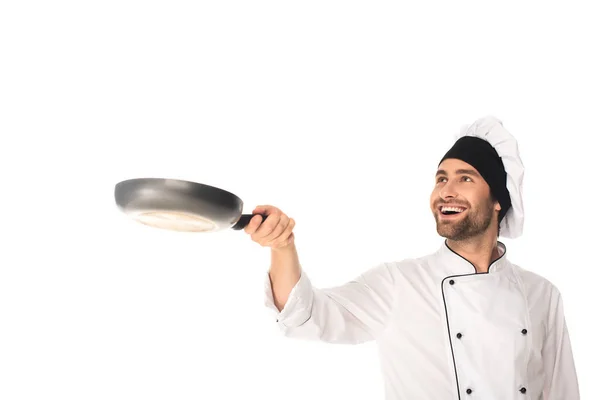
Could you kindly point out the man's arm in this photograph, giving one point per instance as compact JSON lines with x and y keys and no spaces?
{"x":560,"y":381}
{"x":284,"y":273}
{"x":352,"y":313}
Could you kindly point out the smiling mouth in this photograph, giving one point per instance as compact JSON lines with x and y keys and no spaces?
{"x":448,"y":211}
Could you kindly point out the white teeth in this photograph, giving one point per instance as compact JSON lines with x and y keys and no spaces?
{"x":455,"y":209}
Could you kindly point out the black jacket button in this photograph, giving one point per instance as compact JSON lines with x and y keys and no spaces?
{"x":452,"y":281}
{"x":524,"y":331}
{"x":523,"y":390}
{"x":469,"y":391}
{"x":459,"y":335}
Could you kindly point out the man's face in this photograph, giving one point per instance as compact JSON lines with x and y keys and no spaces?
{"x":471,"y":209}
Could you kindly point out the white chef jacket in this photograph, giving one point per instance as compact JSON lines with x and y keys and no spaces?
{"x":443,"y":330}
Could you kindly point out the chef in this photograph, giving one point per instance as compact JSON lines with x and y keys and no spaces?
{"x":463,"y":322}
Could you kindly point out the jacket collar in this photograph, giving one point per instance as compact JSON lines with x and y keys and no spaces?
{"x":454,"y":264}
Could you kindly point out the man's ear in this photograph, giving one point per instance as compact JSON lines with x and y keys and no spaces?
{"x":497,"y":206}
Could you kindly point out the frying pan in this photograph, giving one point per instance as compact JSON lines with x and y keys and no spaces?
{"x":180,"y":205}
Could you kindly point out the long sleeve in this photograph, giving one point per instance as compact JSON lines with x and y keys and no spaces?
{"x":352,"y":313}
{"x":560,"y":381}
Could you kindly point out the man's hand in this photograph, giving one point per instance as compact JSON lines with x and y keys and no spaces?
{"x":276,"y":230}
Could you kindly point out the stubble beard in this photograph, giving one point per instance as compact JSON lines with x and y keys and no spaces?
{"x":471,"y":225}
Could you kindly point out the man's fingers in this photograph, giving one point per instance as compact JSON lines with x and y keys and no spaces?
{"x":253,"y":225}
{"x":286,"y":237}
{"x":278,"y":231}
{"x":274,"y":231}
{"x":286,"y":242}
{"x":268,"y":226}
{"x":261,"y":209}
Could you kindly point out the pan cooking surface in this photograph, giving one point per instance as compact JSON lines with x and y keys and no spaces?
{"x":175,"y":221}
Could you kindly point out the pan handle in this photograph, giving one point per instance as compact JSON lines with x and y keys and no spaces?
{"x":245,"y":220}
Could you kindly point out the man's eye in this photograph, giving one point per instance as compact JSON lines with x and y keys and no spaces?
{"x":440,"y":179}
{"x":467,"y":177}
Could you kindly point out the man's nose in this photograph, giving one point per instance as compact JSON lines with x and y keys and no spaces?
{"x":448,"y":191}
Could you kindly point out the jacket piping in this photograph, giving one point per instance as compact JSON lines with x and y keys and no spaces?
{"x":446,"y":308}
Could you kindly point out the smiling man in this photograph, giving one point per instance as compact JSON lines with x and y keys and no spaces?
{"x":470,"y":198}
{"x":463,"y":322}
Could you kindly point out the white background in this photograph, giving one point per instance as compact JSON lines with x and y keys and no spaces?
{"x":336,"y":112}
